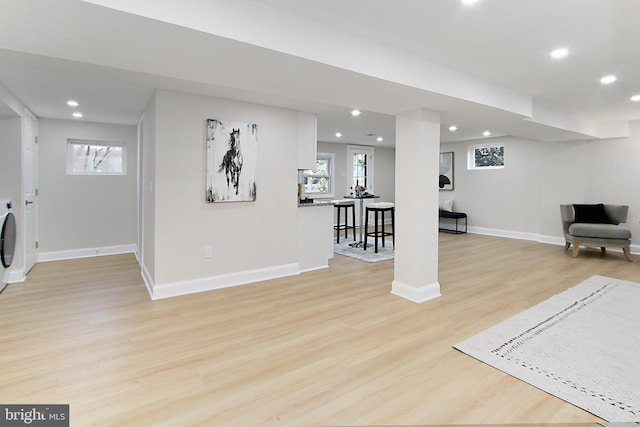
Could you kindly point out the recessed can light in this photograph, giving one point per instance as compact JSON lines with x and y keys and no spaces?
{"x":486,"y":133}
{"x":608,"y":79}
{"x":77,"y":114}
{"x":453,"y":128}
{"x":635,"y":98}
{"x":379,"y":139}
{"x":338,"y":135}
{"x":72,"y":103}
{"x":559,"y":53}
{"x":355,"y":113}
{"x":469,"y":1}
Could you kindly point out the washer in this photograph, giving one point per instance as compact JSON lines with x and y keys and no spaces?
{"x":7,"y":239}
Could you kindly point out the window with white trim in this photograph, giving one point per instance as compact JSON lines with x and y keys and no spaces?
{"x":485,"y":156}
{"x":320,"y":181}
{"x":96,"y":158}
{"x":359,"y":168}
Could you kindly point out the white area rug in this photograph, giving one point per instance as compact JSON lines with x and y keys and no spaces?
{"x":384,"y":254}
{"x":582,"y":345}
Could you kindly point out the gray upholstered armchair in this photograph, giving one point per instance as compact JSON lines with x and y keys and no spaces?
{"x":596,"y":225}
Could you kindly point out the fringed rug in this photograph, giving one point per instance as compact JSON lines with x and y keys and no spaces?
{"x":384,"y":254}
{"x":582,"y":345}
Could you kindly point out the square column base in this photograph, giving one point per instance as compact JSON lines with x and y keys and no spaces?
{"x":416,"y":294}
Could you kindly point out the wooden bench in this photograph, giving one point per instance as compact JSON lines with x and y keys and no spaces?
{"x":454,"y":215}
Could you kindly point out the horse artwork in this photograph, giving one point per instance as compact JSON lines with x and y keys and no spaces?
{"x":231,"y":161}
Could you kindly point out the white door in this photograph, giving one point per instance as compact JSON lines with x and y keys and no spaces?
{"x":29,"y":185}
{"x":359,"y":172}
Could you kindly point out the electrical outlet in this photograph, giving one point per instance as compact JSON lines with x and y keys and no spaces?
{"x":208,"y":251}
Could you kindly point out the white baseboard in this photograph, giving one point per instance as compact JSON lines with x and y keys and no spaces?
{"x":504,"y":233}
{"x":15,"y":276}
{"x":146,"y":277}
{"x":167,"y":290}
{"x":416,"y":294}
{"x":85,"y":252}
{"x":320,"y":267}
{"x":551,"y":240}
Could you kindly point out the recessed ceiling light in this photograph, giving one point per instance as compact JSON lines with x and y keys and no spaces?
{"x":72,"y":103}
{"x":559,"y":53}
{"x":486,"y":133}
{"x":338,"y":135}
{"x":635,"y":98}
{"x":608,"y":79}
{"x":77,"y":114}
{"x":453,"y":128}
{"x":355,"y":113}
{"x":469,"y":1}
{"x":379,"y":139}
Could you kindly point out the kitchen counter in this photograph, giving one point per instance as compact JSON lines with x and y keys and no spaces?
{"x":315,"y":204}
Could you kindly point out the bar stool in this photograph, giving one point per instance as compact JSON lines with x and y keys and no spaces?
{"x":345,"y":204}
{"x":379,"y":208}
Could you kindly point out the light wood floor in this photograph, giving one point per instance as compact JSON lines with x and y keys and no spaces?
{"x":330,"y":347}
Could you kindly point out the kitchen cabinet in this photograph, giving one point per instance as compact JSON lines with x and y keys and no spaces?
{"x":315,"y":236}
{"x":307,"y":140}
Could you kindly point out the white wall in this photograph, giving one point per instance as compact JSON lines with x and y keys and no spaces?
{"x":384,"y":173}
{"x":78,"y":212}
{"x":245,"y":236}
{"x":10,"y":165}
{"x":522,"y":200}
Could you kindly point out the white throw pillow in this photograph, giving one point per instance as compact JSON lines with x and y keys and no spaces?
{"x":447,"y":205}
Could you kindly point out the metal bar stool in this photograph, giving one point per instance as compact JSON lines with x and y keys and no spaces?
{"x":379,"y":208}
{"x":345,"y":204}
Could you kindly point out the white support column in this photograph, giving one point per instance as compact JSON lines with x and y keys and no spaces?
{"x":416,"y":201}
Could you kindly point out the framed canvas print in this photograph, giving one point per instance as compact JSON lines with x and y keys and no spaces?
{"x":486,"y":157}
{"x":446,"y":171}
{"x":232,"y":158}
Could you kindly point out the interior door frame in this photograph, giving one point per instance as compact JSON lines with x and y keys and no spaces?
{"x":141,"y":199}
{"x":30,"y":201}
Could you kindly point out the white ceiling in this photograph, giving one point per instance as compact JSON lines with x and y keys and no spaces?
{"x":112,"y":61}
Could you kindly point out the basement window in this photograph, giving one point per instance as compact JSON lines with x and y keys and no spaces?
{"x":96,"y":158}
{"x":485,"y":157}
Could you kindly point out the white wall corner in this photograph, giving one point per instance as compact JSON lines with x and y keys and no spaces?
{"x":148,"y":281}
{"x":15,"y":276}
{"x":167,"y":290}
{"x":416,"y":294}
{"x":552,"y":240}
